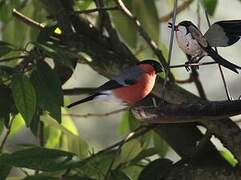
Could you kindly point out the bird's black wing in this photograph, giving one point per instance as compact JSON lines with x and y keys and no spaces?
{"x":109,"y":85}
{"x":223,"y":33}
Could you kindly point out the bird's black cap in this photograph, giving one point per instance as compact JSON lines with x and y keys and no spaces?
{"x":157,"y":66}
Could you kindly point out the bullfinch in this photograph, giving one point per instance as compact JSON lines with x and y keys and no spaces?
{"x":132,"y":85}
{"x":196,"y":45}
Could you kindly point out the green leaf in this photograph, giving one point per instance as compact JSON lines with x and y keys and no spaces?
{"x":48,"y":89}
{"x":34,"y":125}
{"x":128,"y":152}
{"x":160,"y":145}
{"x":4,"y":170}
{"x":229,"y":157}
{"x":157,"y":169}
{"x":5,"y":48}
{"x":146,"y":12}
{"x":18,"y":124}
{"x":6,"y":101}
{"x":71,"y":141}
{"x":82,"y":5}
{"x":210,"y":6}
{"x":40,"y":177}
{"x":24,"y":97}
{"x":39,"y":159}
{"x":55,"y":52}
{"x":119,"y":175}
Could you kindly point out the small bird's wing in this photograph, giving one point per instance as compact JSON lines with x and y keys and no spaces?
{"x":223,"y":33}
{"x":128,"y":77}
{"x":197,"y":35}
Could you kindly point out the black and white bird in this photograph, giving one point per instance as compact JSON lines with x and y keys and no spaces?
{"x":196,"y":45}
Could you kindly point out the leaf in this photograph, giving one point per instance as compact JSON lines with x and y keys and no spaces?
{"x":210,"y":6}
{"x":157,"y":169}
{"x":34,"y":125}
{"x":55,"y":52}
{"x":18,"y":124}
{"x":6,"y":101}
{"x":24,"y":97}
{"x":70,"y":140}
{"x":124,"y":26}
{"x":5,"y":48}
{"x":40,"y":177}
{"x":48,"y":89}
{"x":160,"y":145}
{"x":146,"y":12}
{"x":4,"y":170}
{"x":229,"y":157}
{"x":39,"y":159}
{"x":129,"y":151}
{"x":119,"y":175}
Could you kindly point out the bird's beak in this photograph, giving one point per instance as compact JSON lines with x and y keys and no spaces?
{"x":170,"y":26}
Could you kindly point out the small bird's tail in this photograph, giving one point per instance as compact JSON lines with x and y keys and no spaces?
{"x":89,"y":98}
{"x":220,"y":60}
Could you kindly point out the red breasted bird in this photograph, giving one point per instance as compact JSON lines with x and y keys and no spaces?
{"x":196,"y":45}
{"x":132,"y":85}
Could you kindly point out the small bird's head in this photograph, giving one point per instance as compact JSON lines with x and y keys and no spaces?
{"x":156,"y":65}
{"x":182,"y":27}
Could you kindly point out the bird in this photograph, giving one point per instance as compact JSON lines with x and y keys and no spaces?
{"x":130,"y":86}
{"x":196,"y":45}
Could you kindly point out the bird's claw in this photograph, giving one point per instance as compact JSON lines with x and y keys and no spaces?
{"x":187,"y":66}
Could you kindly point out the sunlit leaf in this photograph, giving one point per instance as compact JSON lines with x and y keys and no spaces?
{"x":18,"y":124}
{"x":129,"y":151}
{"x":229,"y":157}
{"x":48,"y":89}
{"x":24,"y":97}
{"x":160,"y":145}
{"x":70,"y":141}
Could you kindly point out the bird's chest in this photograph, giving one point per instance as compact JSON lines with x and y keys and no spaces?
{"x":188,"y":44}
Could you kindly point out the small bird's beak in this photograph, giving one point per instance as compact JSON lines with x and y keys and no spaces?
{"x":170,"y":26}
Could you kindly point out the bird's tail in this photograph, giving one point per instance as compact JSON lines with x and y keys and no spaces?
{"x":89,"y":98}
{"x":220,"y":60}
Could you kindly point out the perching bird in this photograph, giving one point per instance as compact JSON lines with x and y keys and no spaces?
{"x":196,"y":45}
{"x":132,"y":85}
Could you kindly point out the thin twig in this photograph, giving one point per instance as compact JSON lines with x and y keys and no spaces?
{"x":191,"y":64}
{"x":219,"y":66}
{"x":170,"y":46}
{"x":143,"y":33}
{"x":97,"y":114}
{"x":27,"y":20}
{"x":96,"y":9}
{"x":7,"y":133}
{"x":194,"y":73}
{"x":180,"y":8}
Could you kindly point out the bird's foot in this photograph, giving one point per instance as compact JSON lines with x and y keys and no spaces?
{"x":187,"y":66}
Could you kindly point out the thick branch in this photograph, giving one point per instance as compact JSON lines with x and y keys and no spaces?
{"x":187,"y":112}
